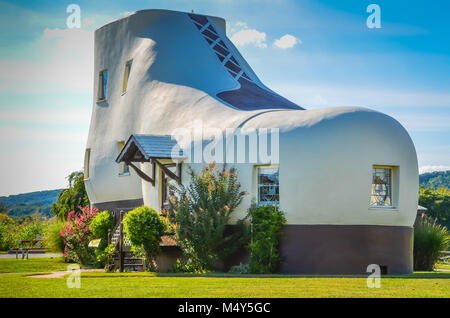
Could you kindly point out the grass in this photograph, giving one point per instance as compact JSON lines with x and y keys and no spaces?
{"x":223,"y":285}
{"x":44,"y":264}
{"x":151,"y":285}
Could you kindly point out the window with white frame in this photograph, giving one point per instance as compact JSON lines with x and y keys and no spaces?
{"x":268,"y":185}
{"x":381,"y":194}
{"x":102,"y":84}
{"x":124,"y":169}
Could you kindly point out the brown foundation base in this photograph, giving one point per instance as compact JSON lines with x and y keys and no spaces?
{"x":119,"y":205}
{"x":346,"y":249}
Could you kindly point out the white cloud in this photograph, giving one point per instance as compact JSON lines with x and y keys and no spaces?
{"x":287,"y":41}
{"x":249,"y":37}
{"x":425,"y":169}
{"x":233,"y":27}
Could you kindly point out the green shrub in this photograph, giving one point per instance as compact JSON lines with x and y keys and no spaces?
{"x":7,"y":236}
{"x":144,"y":227}
{"x":240,"y":269}
{"x":430,"y":238}
{"x":53,"y":238}
{"x":267,"y":225}
{"x":106,"y":257}
{"x":32,"y":230}
{"x":101,"y":224}
{"x":183,"y":266}
{"x":438,"y":204}
{"x":29,"y":228}
{"x":202,"y":212}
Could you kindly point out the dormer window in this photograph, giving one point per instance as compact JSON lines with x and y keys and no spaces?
{"x":102,"y":84}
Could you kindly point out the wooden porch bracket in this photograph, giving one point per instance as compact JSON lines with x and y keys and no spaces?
{"x":169,"y":173}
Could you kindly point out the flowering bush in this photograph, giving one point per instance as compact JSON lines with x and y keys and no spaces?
{"x":201,"y":212}
{"x":77,"y":234}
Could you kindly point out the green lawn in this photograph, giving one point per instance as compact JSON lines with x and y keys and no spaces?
{"x":45,"y":264}
{"x":99,"y":284}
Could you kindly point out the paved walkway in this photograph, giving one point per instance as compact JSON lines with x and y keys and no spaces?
{"x":31,"y":255}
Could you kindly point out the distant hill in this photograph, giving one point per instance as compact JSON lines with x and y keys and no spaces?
{"x":436,"y":179}
{"x":29,"y":203}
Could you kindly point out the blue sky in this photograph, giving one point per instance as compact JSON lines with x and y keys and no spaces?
{"x":316,"y":53}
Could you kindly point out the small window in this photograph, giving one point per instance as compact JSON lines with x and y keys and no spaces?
{"x":166,"y":182}
{"x":268,"y":186}
{"x":124,"y":169}
{"x":126,"y":75}
{"x":87,"y":158}
{"x":102,"y":84}
{"x":381,"y":195}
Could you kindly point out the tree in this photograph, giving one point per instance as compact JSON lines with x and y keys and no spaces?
{"x":72,"y":198}
{"x":435,"y":180}
{"x":438,"y":204}
{"x":3,"y":208}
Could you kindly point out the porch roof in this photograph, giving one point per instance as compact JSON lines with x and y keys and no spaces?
{"x":142,"y":148}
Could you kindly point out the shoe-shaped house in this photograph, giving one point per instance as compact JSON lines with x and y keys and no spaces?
{"x":346,"y":177}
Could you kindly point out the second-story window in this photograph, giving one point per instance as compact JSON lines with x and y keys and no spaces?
{"x":87,"y":158}
{"x":102,"y":84}
{"x":126,"y":75}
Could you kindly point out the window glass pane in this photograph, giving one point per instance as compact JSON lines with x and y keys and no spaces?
{"x":167,"y":182}
{"x":268,"y":186}
{"x":126,"y":75}
{"x":102,"y":83}
{"x":87,"y":157}
{"x":381,"y":187}
{"x":105,"y":81}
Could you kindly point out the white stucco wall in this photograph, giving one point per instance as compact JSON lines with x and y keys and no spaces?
{"x":326,"y":155}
